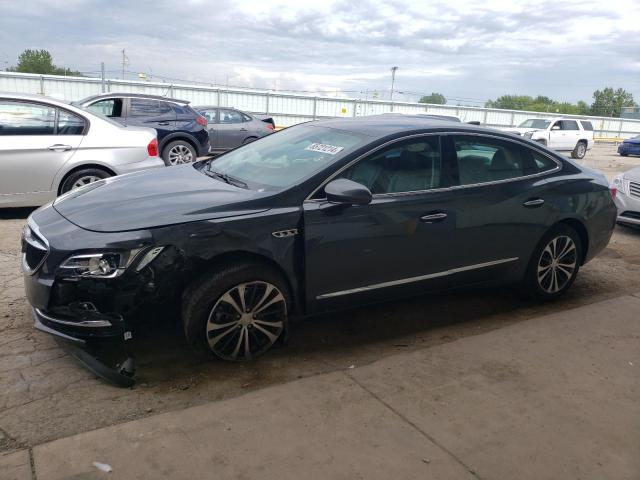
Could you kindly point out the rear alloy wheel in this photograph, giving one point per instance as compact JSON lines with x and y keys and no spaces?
{"x":555,"y":264}
{"x":83,"y":177}
{"x":236,"y":312}
{"x":580,"y":151}
{"x":178,"y":152}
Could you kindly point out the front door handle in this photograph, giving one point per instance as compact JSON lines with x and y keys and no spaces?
{"x":243,"y":129}
{"x":163,"y":123}
{"x":58,"y":147}
{"x":534,"y":202}
{"x":433,"y":217}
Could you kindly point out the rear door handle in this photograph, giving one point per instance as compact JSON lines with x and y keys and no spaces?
{"x":433,"y":217}
{"x":243,"y":129}
{"x":58,"y":147}
{"x":534,"y":202}
{"x":163,"y":123}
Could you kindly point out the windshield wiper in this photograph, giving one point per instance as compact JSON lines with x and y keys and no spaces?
{"x":236,"y":182}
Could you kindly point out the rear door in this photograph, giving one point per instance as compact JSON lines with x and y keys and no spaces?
{"x":572,"y":133}
{"x":232,"y":129}
{"x":36,"y":140}
{"x":500,"y":208}
{"x":151,"y":113}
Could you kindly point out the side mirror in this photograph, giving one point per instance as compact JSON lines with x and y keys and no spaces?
{"x":346,"y":192}
{"x":474,"y":122}
{"x":555,"y":127}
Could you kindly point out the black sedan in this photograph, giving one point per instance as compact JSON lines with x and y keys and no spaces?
{"x":320,"y":216}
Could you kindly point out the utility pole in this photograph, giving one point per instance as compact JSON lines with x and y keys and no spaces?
{"x":125,"y":61}
{"x":102,"y":79}
{"x":393,"y":81}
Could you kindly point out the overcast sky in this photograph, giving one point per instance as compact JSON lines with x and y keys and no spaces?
{"x":467,"y":50}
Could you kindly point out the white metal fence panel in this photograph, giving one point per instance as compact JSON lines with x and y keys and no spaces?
{"x":286,"y":108}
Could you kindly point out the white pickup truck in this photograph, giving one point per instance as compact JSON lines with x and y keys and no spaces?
{"x":561,"y":134}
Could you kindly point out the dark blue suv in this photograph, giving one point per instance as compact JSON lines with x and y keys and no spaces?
{"x":182,"y":132}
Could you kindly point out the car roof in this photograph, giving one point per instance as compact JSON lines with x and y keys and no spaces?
{"x":34,"y":97}
{"x":383,"y":125}
{"x":131,"y":95}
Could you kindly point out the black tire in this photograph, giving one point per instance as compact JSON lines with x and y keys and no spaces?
{"x":89,"y":174}
{"x":203,"y":298}
{"x":537,"y":289}
{"x":624,"y":154}
{"x":249,"y":140}
{"x":178,"y":152}
{"x":580,"y":150}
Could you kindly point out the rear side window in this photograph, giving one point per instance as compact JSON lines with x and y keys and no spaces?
{"x":587,"y":125}
{"x":69,"y":123}
{"x":22,"y":118}
{"x":230,"y":116}
{"x":482,"y":160}
{"x":408,"y":166}
{"x":142,"y":107}
{"x":109,"y":107}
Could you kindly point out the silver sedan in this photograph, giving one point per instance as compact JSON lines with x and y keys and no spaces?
{"x":229,"y":128}
{"x":627,"y":186}
{"x":48,"y":147}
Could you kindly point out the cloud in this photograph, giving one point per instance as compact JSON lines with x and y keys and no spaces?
{"x":464,"y":49}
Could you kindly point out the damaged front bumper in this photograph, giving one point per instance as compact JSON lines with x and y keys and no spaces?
{"x":98,"y":341}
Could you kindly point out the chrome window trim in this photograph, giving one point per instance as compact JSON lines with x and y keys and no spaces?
{"x":419,"y":278}
{"x":81,"y":323}
{"x":34,"y":228}
{"x":442,"y":189}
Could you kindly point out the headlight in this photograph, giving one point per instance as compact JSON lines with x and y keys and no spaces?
{"x":97,"y":265}
{"x":528,"y":134}
{"x":618,"y":182}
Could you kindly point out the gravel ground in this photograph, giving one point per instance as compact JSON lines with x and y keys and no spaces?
{"x":45,"y":394}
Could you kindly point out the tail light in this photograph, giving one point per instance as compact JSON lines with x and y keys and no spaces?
{"x":201,"y":120}
{"x":270,"y":126}
{"x":152,"y":148}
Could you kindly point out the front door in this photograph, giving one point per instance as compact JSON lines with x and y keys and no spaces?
{"x":231,"y":128}
{"x":397,"y":241}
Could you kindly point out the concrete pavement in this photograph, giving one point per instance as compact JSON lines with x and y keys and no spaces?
{"x":555,"y":397}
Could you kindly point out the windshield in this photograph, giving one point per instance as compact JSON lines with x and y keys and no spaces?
{"x":283,"y":159}
{"x":535,"y":123}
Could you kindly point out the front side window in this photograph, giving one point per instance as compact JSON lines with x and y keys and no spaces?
{"x":22,"y":118}
{"x":69,"y":123}
{"x":482,"y":159}
{"x":287,"y":157}
{"x":408,"y":166}
{"x":210,"y":115}
{"x":109,"y":107}
{"x":230,"y":116}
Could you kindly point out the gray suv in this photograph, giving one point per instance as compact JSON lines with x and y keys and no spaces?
{"x":229,"y":128}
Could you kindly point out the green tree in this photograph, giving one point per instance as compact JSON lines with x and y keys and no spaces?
{"x":609,"y":102}
{"x":40,"y":61}
{"x":435,"y":98}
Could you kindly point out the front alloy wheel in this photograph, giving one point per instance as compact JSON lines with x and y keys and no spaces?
{"x":557,"y":264}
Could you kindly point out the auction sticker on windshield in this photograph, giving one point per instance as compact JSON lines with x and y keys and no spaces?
{"x":323,"y":148}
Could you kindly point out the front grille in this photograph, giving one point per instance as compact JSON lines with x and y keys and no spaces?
{"x":630,"y":214}
{"x":634,"y":189}
{"x":34,"y":248}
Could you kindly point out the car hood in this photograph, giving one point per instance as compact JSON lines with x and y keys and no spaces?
{"x":155,"y":198}
{"x":632,"y":175}
{"x":518,"y":130}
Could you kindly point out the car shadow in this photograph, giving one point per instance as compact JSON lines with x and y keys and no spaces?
{"x":16,"y":213}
